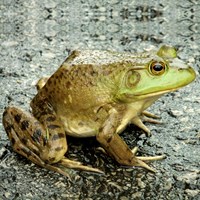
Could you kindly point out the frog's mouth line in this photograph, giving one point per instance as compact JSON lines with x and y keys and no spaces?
{"x":150,"y":95}
{"x":154,"y":94}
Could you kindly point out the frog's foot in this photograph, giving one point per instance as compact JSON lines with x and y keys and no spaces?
{"x":139,"y":160}
{"x":62,"y":167}
{"x":145,"y":117}
{"x":77,"y":165}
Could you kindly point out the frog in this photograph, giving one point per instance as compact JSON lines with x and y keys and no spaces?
{"x":95,"y":93}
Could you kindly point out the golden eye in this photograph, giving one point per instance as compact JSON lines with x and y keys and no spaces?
{"x":157,"y":68}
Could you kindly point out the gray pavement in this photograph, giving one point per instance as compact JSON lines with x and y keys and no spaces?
{"x":36,"y":37}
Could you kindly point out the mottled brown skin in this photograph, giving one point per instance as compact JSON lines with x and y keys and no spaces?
{"x":93,"y":93}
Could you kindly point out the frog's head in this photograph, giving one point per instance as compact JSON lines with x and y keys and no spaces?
{"x":160,"y":73}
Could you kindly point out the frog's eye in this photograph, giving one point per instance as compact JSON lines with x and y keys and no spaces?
{"x":157,"y":68}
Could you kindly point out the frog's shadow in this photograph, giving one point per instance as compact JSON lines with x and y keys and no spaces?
{"x":87,"y":151}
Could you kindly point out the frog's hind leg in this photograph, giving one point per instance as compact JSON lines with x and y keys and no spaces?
{"x":25,"y":150}
{"x":25,"y":134}
{"x":44,"y":147}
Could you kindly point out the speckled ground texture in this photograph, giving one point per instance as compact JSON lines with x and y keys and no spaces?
{"x":35,"y":38}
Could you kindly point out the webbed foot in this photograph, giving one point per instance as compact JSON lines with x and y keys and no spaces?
{"x":139,"y":160}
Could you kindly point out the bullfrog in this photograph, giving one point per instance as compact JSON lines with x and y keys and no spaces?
{"x":95,"y":93}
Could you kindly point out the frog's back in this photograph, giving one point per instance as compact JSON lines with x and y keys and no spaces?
{"x":88,"y":78}
{"x":100,"y":58}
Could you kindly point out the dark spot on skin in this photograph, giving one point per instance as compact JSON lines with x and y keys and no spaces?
{"x":109,"y":139}
{"x":24,"y":141}
{"x":8,"y":128}
{"x":42,"y":113}
{"x":61,"y":74}
{"x":58,"y":136}
{"x":80,"y":123}
{"x":68,"y":84}
{"x":53,"y":126}
{"x":49,"y":82}
{"x":24,"y":125}
{"x":46,"y":89}
{"x":35,"y":151}
{"x":5,"y":113}
{"x":51,"y":160}
{"x":92,"y":83}
{"x":17,"y":118}
{"x":36,"y":135}
{"x":51,"y":119}
{"x":58,"y":148}
{"x":45,"y":140}
{"x":101,"y":129}
{"x":13,"y":141}
{"x":65,"y":71}
{"x":130,"y":161}
{"x":96,"y":119}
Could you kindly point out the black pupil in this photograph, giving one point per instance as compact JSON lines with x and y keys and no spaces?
{"x":158,"y":67}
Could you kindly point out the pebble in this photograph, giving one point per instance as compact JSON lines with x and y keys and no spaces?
{"x":192,"y":193}
{"x":7,"y":195}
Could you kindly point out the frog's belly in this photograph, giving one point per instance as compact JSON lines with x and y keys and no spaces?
{"x":79,"y":128}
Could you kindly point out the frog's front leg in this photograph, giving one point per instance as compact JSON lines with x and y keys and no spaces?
{"x":117,"y":148}
{"x":42,"y":141}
